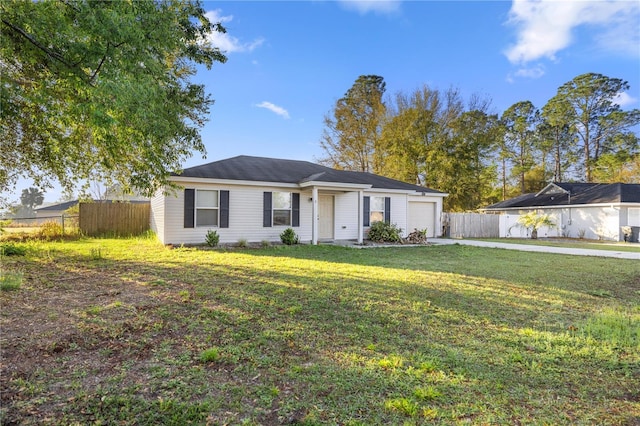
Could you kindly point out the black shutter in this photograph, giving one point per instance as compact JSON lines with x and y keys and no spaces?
{"x":266,"y":217}
{"x":189,"y":207}
{"x":387,"y":209}
{"x":224,"y":209}
{"x":295,"y":212}
{"x":366,"y":211}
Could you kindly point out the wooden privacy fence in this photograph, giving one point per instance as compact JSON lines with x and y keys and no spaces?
{"x":122,"y":219}
{"x":472,"y":225}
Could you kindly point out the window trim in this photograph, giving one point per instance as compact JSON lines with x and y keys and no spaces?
{"x":371,"y":209}
{"x":633,"y":216}
{"x":290,"y":209}
{"x":196,"y":208}
{"x":366,"y":210}
{"x":267,"y":210}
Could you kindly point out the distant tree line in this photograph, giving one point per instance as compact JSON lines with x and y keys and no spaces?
{"x":435,"y":138}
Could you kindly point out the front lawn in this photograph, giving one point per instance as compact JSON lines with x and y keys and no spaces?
{"x":569,"y":243}
{"x":107,"y":331}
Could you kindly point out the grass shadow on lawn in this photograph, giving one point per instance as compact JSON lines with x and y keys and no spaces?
{"x":545,"y":271}
{"x":308,"y":336}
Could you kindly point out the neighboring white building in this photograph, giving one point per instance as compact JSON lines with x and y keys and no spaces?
{"x":256,"y":198}
{"x":583,"y":210}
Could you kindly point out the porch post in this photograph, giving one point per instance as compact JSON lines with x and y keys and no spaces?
{"x":314,"y":216}
{"x":360,"y":213}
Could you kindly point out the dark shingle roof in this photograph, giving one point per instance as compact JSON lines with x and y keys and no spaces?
{"x":69,"y":204}
{"x":58,"y":206}
{"x":574,"y":194}
{"x":261,"y":169}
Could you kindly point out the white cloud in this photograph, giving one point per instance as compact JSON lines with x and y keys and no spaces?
{"x":225,"y":42}
{"x":274,"y":108}
{"x":376,"y":6}
{"x":624,"y":99}
{"x":534,"y":72}
{"x":546,"y":26}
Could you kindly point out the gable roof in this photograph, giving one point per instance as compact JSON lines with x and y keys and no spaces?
{"x":569,"y":194}
{"x":58,"y":206}
{"x":261,"y":169}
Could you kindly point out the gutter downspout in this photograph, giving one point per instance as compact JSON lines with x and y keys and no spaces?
{"x":314,"y":216}
{"x":360,"y":214}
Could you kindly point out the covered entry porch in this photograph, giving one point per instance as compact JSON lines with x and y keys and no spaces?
{"x":333,"y":201}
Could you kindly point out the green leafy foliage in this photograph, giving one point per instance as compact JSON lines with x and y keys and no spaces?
{"x":520,"y":121}
{"x":102,"y":90}
{"x":49,"y":230}
{"x":533,"y":221}
{"x":436,"y":138}
{"x":11,"y":249}
{"x":289,"y":237}
{"x":383,"y":232}
{"x":10,"y":281}
{"x":30,"y":199}
{"x":351,"y":136}
{"x":210,"y":355}
{"x":212,"y":239}
{"x":3,"y":224}
{"x":596,"y":120}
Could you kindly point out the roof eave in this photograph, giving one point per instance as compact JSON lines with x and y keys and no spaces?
{"x":187,"y":179}
{"x":334,"y":185}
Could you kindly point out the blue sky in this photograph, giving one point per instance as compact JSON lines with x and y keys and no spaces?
{"x":289,"y":61}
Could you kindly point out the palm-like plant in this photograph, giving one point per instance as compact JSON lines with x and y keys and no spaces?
{"x":533,"y":221}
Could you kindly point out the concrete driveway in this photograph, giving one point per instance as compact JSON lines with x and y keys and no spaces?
{"x":540,"y":249}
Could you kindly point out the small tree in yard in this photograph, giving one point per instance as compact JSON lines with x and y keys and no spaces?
{"x":533,"y":221}
{"x":212,"y":238}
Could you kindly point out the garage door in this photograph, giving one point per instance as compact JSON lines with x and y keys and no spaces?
{"x":421,"y":216}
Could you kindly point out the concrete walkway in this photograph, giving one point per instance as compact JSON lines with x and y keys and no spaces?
{"x":540,"y":249}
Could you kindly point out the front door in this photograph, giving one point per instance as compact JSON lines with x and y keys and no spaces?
{"x":325,"y":217}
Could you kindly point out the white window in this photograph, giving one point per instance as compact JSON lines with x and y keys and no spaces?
{"x":207,"y":207}
{"x":633,"y":216}
{"x":376,"y":210}
{"x":281,"y":209}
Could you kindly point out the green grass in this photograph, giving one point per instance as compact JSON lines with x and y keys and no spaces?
{"x":10,"y":281}
{"x":570,"y":243}
{"x":318,"y":335}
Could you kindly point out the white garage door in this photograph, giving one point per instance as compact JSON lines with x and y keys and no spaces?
{"x":421,"y":216}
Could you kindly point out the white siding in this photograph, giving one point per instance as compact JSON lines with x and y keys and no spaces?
{"x":245,"y":217}
{"x":399,"y":212}
{"x":510,"y":227}
{"x":157,"y":215}
{"x":246,"y":213}
{"x":591,"y":223}
{"x":597,"y":223}
{"x":398,"y":209}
